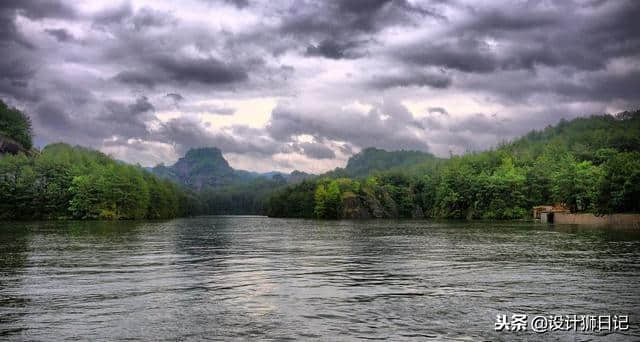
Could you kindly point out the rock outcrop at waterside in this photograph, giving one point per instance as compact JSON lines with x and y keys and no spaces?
{"x":353,"y":208}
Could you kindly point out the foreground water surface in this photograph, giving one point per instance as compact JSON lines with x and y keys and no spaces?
{"x":227,"y":278}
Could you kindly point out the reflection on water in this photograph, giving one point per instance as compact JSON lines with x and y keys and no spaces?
{"x":253,"y":277}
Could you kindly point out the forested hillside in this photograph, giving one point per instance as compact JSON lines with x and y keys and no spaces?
{"x":15,"y":130}
{"x":588,"y":164}
{"x":372,"y":159}
{"x":200,"y":168}
{"x":64,"y":182}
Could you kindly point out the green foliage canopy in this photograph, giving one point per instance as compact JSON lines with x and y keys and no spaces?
{"x":15,"y":125}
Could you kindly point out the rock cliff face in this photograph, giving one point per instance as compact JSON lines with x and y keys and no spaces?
{"x":353,"y":208}
{"x":200,"y":168}
{"x":371,"y":159}
{"x":10,"y":146}
{"x":376,"y":208}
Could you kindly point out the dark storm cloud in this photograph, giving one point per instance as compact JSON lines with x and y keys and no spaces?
{"x":128,"y":120}
{"x":203,"y":70}
{"x":69,"y":119}
{"x":340,"y":26}
{"x":438,"y":110}
{"x":525,"y":86}
{"x":113,"y":15}
{"x":175,"y":97}
{"x":38,"y":9}
{"x":238,"y":3}
{"x":54,"y":121}
{"x":466,"y":55}
{"x":524,"y":36}
{"x":10,"y":36}
{"x":316,"y":150}
{"x":408,"y":79}
{"x":147,"y":17}
{"x":133,"y":77}
{"x":124,"y":15}
{"x":15,"y":70}
{"x":506,"y":19}
{"x":332,"y":49}
{"x":166,"y":69}
{"x":602,"y":87}
{"x":61,"y":35}
{"x":16,"y":74}
{"x":52,"y":114}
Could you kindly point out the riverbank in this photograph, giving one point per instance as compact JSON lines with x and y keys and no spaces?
{"x":630,"y":220}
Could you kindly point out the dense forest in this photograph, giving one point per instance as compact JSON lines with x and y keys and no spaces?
{"x":64,"y":182}
{"x":15,"y":130}
{"x":587,"y":164}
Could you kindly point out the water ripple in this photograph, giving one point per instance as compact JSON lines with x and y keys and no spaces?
{"x":239,"y":278}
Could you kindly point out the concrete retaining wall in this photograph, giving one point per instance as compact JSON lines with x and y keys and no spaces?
{"x":612,"y":220}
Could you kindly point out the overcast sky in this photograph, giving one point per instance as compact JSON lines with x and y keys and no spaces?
{"x":283,"y":85}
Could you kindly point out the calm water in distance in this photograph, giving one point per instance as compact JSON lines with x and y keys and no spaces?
{"x":250,"y":278}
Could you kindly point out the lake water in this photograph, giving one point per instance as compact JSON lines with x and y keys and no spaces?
{"x":238,"y":278}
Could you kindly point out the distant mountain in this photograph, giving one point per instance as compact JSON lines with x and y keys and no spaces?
{"x":206,"y":167}
{"x":297,"y":176}
{"x":373,"y":159}
{"x":200,"y":168}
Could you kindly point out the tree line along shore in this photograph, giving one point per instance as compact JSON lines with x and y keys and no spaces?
{"x":589,"y":165}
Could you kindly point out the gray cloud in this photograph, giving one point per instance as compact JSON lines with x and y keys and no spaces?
{"x":186,"y":133}
{"x":343,"y":20}
{"x":332,"y":49}
{"x":345,"y":72}
{"x":238,"y":3}
{"x":408,"y":79}
{"x":39,"y":9}
{"x":466,"y":55}
{"x":61,"y":35}
{"x":114,"y":14}
{"x":389,"y":125}
{"x":163,"y":69}
{"x":175,"y":97}
{"x":317,"y":150}
{"x":438,"y":110}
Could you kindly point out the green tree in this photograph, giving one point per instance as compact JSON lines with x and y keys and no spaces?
{"x":320,"y":199}
{"x":15,"y":125}
{"x":619,"y":186}
{"x":333,"y":201}
{"x":86,"y":192}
